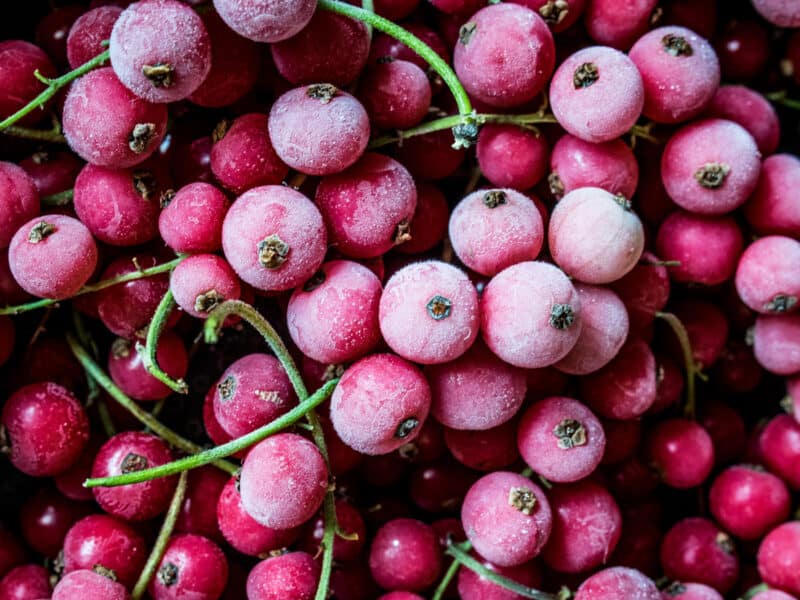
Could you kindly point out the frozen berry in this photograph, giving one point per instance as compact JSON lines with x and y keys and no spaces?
{"x":405,"y":555}
{"x":767,"y":279}
{"x":19,"y":200}
{"x":202,"y":282}
{"x":192,"y":566}
{"x":290,"y":576}
{"x":191,"y":221}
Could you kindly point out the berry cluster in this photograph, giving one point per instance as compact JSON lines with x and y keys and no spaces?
{"x":527,"y":271}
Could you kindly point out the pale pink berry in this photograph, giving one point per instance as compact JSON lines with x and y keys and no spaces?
{"x":616,"y":583}
{"x":19,"y":200}
{"x":768,"y":277}
{"x":773,"y":208}
{"x":617,"y":24}
{"x":202,"y":282}
{"x":752,"y":111}
{"x":266,"y":20}
{"x":776,"y":343}
{"x":510,"y":156}
{"x":783,"y":13}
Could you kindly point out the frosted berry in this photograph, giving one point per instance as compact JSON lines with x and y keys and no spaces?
{"x":191,"y":221}
{"x":192,"y":566}
{"x":127,"y":370}
{"x":767,"y":279}
{"x":266,"y":20}
{"x":752,"y":111}
{"x":618,"y":582}
{"x":19,"y":200}
{"x":202,"y":282}
{"x":291,"y":576}
{"x":779,"y":557}
{"x":510,"y":156}
{"x":405,"y":554}
{"x":87,"y":33}
{"x":88,"y":585}
{"x":771,"y":209}
{"x":395,"y":94}
{"x":776,"y":343}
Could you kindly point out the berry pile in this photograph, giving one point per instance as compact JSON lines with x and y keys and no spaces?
{"x":400,"y":300}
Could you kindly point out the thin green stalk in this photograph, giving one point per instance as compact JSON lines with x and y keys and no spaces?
{"x":445,"y":582}
{"x":465,"y":130}
{"x":460,"y":552}
{"x":94,"y":287}
{"x":154,"y":331}
{"x":692,"y":369}
{"x":213,"y":455}
{"x":369,"y":6}
{"x":59,"y":199}
{"x":39,"y":135}
{"x":160,"y":546}
{"x":144,"y":417}
{"x":780,"y":98}
{"x":53,"y":85}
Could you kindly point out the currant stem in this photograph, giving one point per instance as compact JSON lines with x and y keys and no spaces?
{"x":160,"y":546}
{"x":780,"y":98}
{"x":451,"y":121}
{"x":214,"y":455}
{"x":154,"y":331}
{"x":144,"y":417}
{"x":59,"y":199}
{"x":446,"y":579}
{"x":95,"y":287}
{"x":692,"y":370}
{"x":426,"y":52}
{"x":49,"y":135}
{"x":53,"y":85}
{"x":460,"y":552}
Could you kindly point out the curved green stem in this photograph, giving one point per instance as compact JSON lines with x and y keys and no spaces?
{"x":94,"y":287}
{"x":780,"y":98}
{"x":645,"y":132}
{"x":53,"y":85}
{"x":369,"y":6}
{"x":144,"y":417}
{"x":465,"y":131}
{"x":445,"y":582}
{"x":160,"y":546}
{"x":59,"y":199}
{"x":692,"y":369}
{"x":214,"y":455}
{"x":460,"y":552}
{"x":39,"y":135}
{"x":157,"y":324}
{"x":451,"y":121}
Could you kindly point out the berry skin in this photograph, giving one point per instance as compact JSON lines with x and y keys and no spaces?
{"x":682,"y":451}
{"x":283,"y":481}
{"x":748,"y":501}
{"x":44,"y":429}
{"x":331,"y":48}
{"x":160,"y":50}
{"x":395,"y":94}
{"x":645,"y":291}
{"x":192,"y":567}
{"x":617,"y":24}
{"x":618,"y":582}
{"x":783,"y":13}
{"x":28,"y":582}
{"x":604,"y":330}
{"x":507,"y":518}
{"x":767,"y":279}
{"x":19,"y":200}
{"x":333,"y":317}
{"x":429,"y":222}
{"x":772,"y":209}
{"x":597,"y":94}
{"x":350,"y":522}
{"x":779,"y":443}
{"x":696,"y":550}
{"x":108,"y":542}
{"x":575,"y":163}
{"x":510,"y":156}
{"x":125,"y":453}
{"x":265,"y":20}
{"x":531,"y":315}
{"x":7,"y":338}
{"x":52,"y":172}
{"x":587,"y":525}
{"x":274,"y":238}
{"x":594,"y":236}
{"x":291,"y":576}
{"x":486,"y":450}
{"x":752,"y":111}
{"x":561,"y":439}
{"x":690,"y":591}
{"x":772,"y":595}
{"x":300,"y":141}
{"x":46,"y":517}
{"x":19,"y":59}
{"x":523,"y":40}
{"x":52,"y":256}
{"x":242,"y":532}
{"x":120,"y":206}
{"x":87,"y":33}
{"x":380,"y":404}
{"x":108,"y":125}
{"x":559,"y":15}
{"x":405,"y":555}
{"x":680,"y":72}
{"x":429,"y":312}
{"x":250,"y":393}
{"x":430,"y":157}
{"x":192,"y":221}
{"x":202,"y":282}
{"x":127,"y":370}
{"x":494,"y":229}
{"x":472,"y":586}
{"x":779,"y":557}
{"x":476,"y":391}
{"x":776,"y":343}
{"x":711,"y":166}
{"x":707,"y":247}
{"x":242,"y":156}
{"x":88,"y":585}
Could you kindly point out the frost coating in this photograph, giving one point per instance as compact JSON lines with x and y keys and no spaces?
{"x":266,"y":20}
{"x":768,"y":275}
{"x":618,"y":582}
{"x":19,"y":200}
{"x":575,"y":163}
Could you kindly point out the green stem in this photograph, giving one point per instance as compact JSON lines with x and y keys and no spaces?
{"x":157,"y":324}
{"x":160,"y":546}
{"x":692,"y":369}
{"x":644,"y":132}
{"x":465,"y":130}
{"x":369,"y":6}
{"x":53,"y":85}
{"x":213,"y":455}
{"x":460,"y":553}
{"x":144,"y":417}
{"x":39,"y":135}
{"x":59,"y":199}
{"x":445,"y":582}
{"x":451,"y":121}
{"x":780,"y":98}
{"x":94,"y":287}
